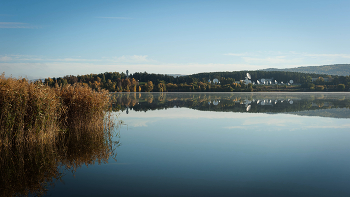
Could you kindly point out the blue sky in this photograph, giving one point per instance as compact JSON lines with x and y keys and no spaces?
{"x":55,"y":38}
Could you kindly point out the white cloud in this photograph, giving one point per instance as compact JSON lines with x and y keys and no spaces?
{"x":236,"y":127}
{"x":236,"y":54}
{"x":13,"y":25}
{"x":272,"y":60}
{"x":121,"y":59}
{"x":133,"y":59}
{"x":26,"y":70}
{"x":328,"y":55}
{"x":26,"y":65}
{"x":5,"y":58}
{"x":290,"y":59}
{"x":115,"y":17}
{"x":60,"y":67}
{"x":73,"y":60}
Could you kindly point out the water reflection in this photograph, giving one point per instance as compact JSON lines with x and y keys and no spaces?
{"x":313,"y":104}
{"x":197,"y":147}
{"x":235,"y":144}
{"x":30,"y":168}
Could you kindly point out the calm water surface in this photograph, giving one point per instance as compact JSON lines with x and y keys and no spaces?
{"x":222,"y":144}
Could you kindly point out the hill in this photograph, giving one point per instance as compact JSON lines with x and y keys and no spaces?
{"x":336,"y":69}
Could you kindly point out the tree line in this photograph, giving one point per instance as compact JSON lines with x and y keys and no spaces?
{"x":148,"y":82}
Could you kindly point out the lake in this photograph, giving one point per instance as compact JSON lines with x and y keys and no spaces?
{"x":216,"y":144}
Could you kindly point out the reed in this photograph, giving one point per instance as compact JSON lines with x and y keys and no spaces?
{"x":28,"y":111}
{"x":84,"y":108}
{"x":34,"y":112}
{"x":44,"y":129}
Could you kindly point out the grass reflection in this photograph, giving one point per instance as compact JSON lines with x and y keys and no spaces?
{"x":28,"y":168}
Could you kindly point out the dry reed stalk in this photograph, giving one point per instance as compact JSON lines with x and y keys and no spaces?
{"x":33,"y":112}
{"x":85,"y":108}
{"x":28,"y":111}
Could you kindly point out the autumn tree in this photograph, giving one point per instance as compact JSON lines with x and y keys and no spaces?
{"x":149,"y":86}
{"x":110,"y":86}
{"x":161,"y":87}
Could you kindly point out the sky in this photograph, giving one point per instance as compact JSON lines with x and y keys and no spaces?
{"x":40,"y":39}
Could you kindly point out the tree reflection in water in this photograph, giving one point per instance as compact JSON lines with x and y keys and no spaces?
{"x":29,"y":168}
{"x":237,"y":102}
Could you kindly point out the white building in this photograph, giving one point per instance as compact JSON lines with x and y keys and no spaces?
{"x":247,"y":81}
{"x":266,"y":81}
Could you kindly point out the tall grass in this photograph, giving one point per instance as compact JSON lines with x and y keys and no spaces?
{"x":43,"y":129}
{"x":35,"y":112}
{"x":84,"y":109}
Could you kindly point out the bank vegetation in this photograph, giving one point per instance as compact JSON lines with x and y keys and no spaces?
{"x":35,"y":112}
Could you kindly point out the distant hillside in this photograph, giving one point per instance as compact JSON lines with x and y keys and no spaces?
{"x":176,"y":75}
{"x":336,"y":69}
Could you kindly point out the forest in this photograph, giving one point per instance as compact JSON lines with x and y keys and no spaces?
{"x":228,"y":82}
